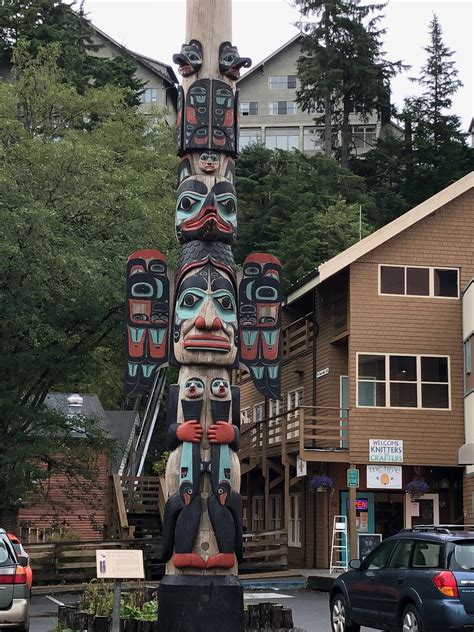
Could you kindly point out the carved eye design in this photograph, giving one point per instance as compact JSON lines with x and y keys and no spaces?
{"x":185,"y":204}
{"x":193,"y":57}
{"x":226,"y":303}
{"x":227,"y":205}
{"x":190,"y":299}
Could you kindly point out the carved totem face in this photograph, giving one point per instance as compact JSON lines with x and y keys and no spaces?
{"x":189,"y":58}
{"x":209,"y":161}
{"x":206,"y":209}
{"x":205,"y":326}
{"x":230,"y":62}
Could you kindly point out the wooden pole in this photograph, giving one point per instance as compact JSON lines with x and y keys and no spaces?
{"x":116,"y":605}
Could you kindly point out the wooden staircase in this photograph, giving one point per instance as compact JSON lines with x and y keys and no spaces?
{"x":136,"y":507}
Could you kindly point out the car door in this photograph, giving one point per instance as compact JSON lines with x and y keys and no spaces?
{"x":364,"y":581}
{"x":391,"y":582}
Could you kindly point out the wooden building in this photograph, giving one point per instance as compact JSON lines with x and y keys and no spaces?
{"x":380,"y":386}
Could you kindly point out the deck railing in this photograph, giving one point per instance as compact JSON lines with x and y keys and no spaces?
{"x":299,"y":430}
{"x":267,"y":549}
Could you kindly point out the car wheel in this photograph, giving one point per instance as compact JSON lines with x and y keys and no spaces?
{"x":411,"y":620}
{"x":340,"y":621}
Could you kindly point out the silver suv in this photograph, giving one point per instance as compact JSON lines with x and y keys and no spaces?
{"x":14,"y":593}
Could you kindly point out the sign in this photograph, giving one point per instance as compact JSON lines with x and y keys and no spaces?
{"x":301,"y":467}
{"x":366,"y":543}
{"x":415,"y":510}
{"x":322,"y":373}
{"x":384,"y":476}
{"x":386,"y":450}
{"x":352,"y":477}
{"x":118,"y":564}
{"x":361,"y":504}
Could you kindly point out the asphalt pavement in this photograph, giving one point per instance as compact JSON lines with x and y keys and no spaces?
{"x":310,"y":609}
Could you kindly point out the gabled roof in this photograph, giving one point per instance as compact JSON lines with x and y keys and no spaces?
{"x":339,"y":262}
{"x":157,"y":67}
{"x":262,"y":63}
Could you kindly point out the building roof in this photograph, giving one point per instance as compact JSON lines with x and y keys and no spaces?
{"x":339,"y":262}
{"x":157,"y":67}
{"x":262,"y":63}
{"x":91,"y":407}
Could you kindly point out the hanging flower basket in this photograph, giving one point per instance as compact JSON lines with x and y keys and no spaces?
{"x":320,"y":483}
{"x":417,"y":488}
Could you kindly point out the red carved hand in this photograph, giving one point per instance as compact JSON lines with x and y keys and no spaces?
{"x":221,"y":432}
{"x":190,"y":431}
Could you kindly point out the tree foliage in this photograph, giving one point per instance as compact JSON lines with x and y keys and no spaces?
{"x":43,"y":22}
{"x":84,"y":180}
{"x":304,"y":209}
{"x":342,"y":65}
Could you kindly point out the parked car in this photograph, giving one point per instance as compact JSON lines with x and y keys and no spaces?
{"x":20,"y":551}
{"x":420,"y":580}
{"x":14,"y":592}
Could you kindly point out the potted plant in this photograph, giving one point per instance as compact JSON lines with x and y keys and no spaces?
{"x":320,"y":483}
{"x":417,"y":487}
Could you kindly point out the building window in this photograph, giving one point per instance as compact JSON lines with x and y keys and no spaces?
{"x":259,"y":412}
{"x":257,"y":513}
{"x":313,"y":139}
{"x":287,"y":139}
{"x":419,"y":281}
{"x":279,"y":108}
{"x":274,"y":428}
{"x":408,"y":381}
{"x":294,"y":399}
{"x":282,"y":82}
{"x":249,"y":108}
{"x":275,"y":513}
{"x":364,"y":136}
{"x":468,"y":355}
{"x":149,"y":95}
{"x":249,"y":137}
{"x":294,"y":522}
{"x":245,"y":416}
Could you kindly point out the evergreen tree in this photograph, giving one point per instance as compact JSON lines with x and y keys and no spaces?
{"x":43,"y":22}
{"x":302,"y":208}
{"x":342,"y":66}
{"x":439,"y":153}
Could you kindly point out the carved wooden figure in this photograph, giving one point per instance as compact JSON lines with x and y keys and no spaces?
{"x":214,"y":325}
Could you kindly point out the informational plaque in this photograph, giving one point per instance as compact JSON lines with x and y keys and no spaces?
{"x":118,"y":564}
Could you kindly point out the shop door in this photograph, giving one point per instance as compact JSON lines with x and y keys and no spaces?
{"x":365,"y":522}
{"x":424,"y":510}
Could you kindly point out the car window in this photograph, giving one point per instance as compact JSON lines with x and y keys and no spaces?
{"x":5,"y":558}
{"x":401,"y":555}
{"x":462,"y":557}
{"x":379,"y":556}
{"x":427,"y":555}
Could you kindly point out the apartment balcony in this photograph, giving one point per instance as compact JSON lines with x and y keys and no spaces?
{"x":312,"y":433}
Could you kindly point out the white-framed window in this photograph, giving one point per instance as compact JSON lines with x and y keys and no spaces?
{"x":419,"y":281}
{"x":294,"y":399}
{"x":275,"y":512}
{"x":245,"y":416}
{"x":403,"y":381}
{"x":294,"y":521}
{"x":364,"y":136}
{"x":249,"y":108}
{"x":281,"y":138}
{"x":149,"y":95}
{"x":282,"y":82}
{"x":258,"y":509}
{"x":276,"y":407}
{"x":313,"y":139}
{"x":468,"y":344}
{"x":281,"y":108}
{"x":259,"y":412}
{"x":249,"y":137}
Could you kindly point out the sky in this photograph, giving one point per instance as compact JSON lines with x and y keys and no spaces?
{"x":156,"y":28}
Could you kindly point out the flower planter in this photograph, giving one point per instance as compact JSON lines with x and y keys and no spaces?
{"x":71,"y":618}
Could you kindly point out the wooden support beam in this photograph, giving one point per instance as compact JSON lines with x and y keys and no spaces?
{"x":277,"y":481}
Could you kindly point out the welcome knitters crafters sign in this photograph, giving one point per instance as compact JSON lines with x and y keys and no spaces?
{"x":386,"y":450}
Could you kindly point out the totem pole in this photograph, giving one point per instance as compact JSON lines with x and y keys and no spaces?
{"x":205,"y":320}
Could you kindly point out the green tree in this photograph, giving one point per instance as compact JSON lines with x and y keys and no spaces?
{"x":342,"y":65}
{"x":304,"y":209}
{"x":42,"y":22}
{"x":75,"y":200}
{"x":438,"y":152}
